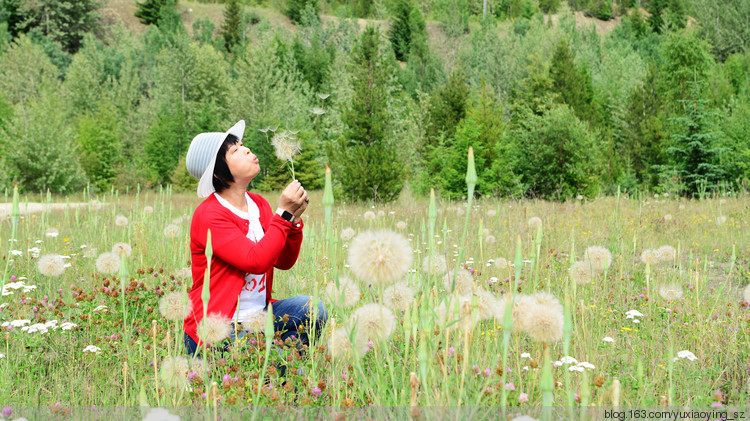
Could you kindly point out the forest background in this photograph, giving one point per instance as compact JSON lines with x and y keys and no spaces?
{"x":558,"y":99}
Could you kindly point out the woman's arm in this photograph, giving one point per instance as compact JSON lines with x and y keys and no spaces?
{"x":230,"y":244}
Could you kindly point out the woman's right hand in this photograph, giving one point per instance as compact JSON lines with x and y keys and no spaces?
{"x":292,"y":197}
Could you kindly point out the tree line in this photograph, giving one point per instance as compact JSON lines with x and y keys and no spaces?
{"x":551,"y":108}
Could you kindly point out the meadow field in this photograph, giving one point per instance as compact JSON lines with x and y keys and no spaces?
{"x":616,"y":301}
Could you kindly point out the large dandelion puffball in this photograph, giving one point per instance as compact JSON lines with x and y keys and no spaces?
{"x":148,"y":209}
{"x":286,"y":145}
{"x":486,"y":303}
{"x":370,"y":216}
{"x":51,"y":265}
{"x":546,"y":299}
{"x":174,"y":372}
{"x":435,"y":266}
{"x":665,"y":254}
{"x":122,"y":249}
{"x":121,"y":221}
{"x":464,"y":282}
{"x":599,"y":257}
{"x":380,"y":257}
{"x":172,"y":231}
{"x":255,"y":322}
{"x":346,"y":294}
{"x":649,"y":257}
{"x":175,"y":306}
{"x":670,"y":292}
{"x":523,"y":305}
{"x":399,"y":296}
{"x":401,"y":225}
{"x":502,"y":263}
{"x":347,"y":234}
{"x":214,"y":329}
{"x":581,"y":272}
{"x":373,"y":322}
{"x":339,"y":344}
{"x":535,"y":222}
{"x":545,"y":324}
{"x":108,"y":263}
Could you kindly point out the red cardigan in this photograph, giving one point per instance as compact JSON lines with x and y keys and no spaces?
{"x":235,"y":255}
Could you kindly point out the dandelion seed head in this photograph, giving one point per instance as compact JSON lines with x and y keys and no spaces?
{"x":172,"y":231}
{"x":668,"y":217}
{"x":502,"y":263}
{"x":464,"y":282}
{"x":370,"y":216}
{"x":435,"y":266}
{"x":122,"y":249}
{"x":398,"y":296}
{"x":486,"y":304}
{"x":490,"y":240}
{"x":665,"y":254}
{"x":670,"y":292}
{"x":175,"y":306}
{"x":347,"y":234}
{"x":286,"y":145}
{"x":339,"y":344}
{"x":183,"y":273}
{"x":214,"y":329}
{"x":535,"y":222}
{"x":374,"y":322}
{"x":121,"y":221}
{"x":721,"y":220}
{"x":108,"y":263}
{"x":346,"y":294}
{"x":581,"y":272}
{"x":545,"y":324}
{"x":648,"y":257}
{"x":174,"y":372}
{"x":546,"y":299}
{"x":491,"y":212}
{"x":401,"y":225}
{"x":599,"y":257}
{"x":380,"y":257}
{"x":148,"y":209}
{"x":317,"y":111}
{"x":51,"y":265}
{"x":255,"y":322}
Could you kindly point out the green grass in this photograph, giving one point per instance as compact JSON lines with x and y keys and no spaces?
{"x":710,"y":320}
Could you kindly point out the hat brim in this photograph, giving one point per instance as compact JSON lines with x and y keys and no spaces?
{"x":206,"y":183}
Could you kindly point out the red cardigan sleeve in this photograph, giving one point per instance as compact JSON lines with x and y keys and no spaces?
{"x":230,"y":244}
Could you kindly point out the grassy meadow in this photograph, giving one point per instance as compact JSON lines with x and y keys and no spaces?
{"x":95,"y":355}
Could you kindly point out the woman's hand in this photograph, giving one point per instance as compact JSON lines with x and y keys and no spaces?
{"x":293,"y":197}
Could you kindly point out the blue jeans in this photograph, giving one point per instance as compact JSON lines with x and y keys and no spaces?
{"x":297,"y":309}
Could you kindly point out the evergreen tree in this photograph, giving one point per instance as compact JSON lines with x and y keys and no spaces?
{"x":448,"y":107}
{"x":675,"y":15}
{"x":695,"y":148}
{"x":149,"y":12}
{"x":11,"y":15}
{"x":367,"y":161}
{"x":408,"y":25}
{"x":637,"y":24}
{"x":63,"y":21}
{"x":571,"y":83}
{"x":231,"y":29}
{"x":656,"y":20}
{"x":295,"y":9}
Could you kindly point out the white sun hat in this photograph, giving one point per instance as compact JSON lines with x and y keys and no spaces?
{"x":201,"y":156}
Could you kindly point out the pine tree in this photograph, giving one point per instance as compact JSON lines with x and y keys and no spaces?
{"x":295,"y":9}
{"x":448,"y":106}
{"x":63,"y":21}
{"x":367,"y":162}
{"x":231,"y":29}
{"x":149,"y":12}
{"x":656,"y":21}
{"x":407,"y":25}
{"x":571,"y":83}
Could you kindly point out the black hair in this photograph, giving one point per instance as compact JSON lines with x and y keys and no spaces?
{"x":222,"y":176}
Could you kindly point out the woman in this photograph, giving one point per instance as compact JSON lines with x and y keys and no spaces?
{"x":248,"y":239}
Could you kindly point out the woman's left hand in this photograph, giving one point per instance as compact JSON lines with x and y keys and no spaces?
{"x":298,"y":213}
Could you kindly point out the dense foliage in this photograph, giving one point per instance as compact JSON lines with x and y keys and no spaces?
{"x":653,"y":99}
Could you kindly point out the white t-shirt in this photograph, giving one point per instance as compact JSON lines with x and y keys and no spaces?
{"x":253,"y":295}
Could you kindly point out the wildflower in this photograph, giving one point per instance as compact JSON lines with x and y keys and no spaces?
{"x":122,"y":249}
{"x":607,"y":339}
{"x":148,"y":209}
{"x":686,"y":354}
{"x":108,"y":263}
{"x":670,"y":292}
{"x":92,"y":348}
{"x":347,"y":234}
{"x":373,"y":321}
{"x":316,"y":392}
{"x":435,"y":265}
{"x":339,"y":344}
{"x":380,"y":256}
{"x":510,"y":386}
{"x":52,"y":232}
{"x":401,"y":225}
{"x":523,"y":305}
{"x":99,"y":308}
{"x":160,"y":414}
{"x":586,"y":365}
{"x":491,"y":212}
{"x":172,"y":231}
{"x":667,"y":217}
{"x":214,"y":329}
{"x":523,"y":397}
{"x":68,"y":326}
{"x":545,"y":324}
{"x":89,"y":252}
{"x":255,"y":322}
{"x":665,"y":254}
{"x":121,"y":221}
{"x":174,"y":372}
{"x":398,"y":296}
{"x":370,"y":215}
{"x":346,"y":294}
{"x":630,"y":314}
{"x":581,"y":272}
{"x":576,"y":368}
{"x":490,"y":239}
{"x":451,"y":351}
{"x":721,"y":220}
{"x":175,"y":306}
{"x":461,"y":281}
{"x":286,"y":145}
{"x":599,"y":258}
{"x":546,"y":299}
{"x":51,"y":265}
{"x":648,"y":257}
{"x":568,"y":360}
{"x":323,"y":96}
{"x":317,"y":111}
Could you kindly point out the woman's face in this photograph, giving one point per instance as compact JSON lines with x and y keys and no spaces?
{"x":242,"y":163}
